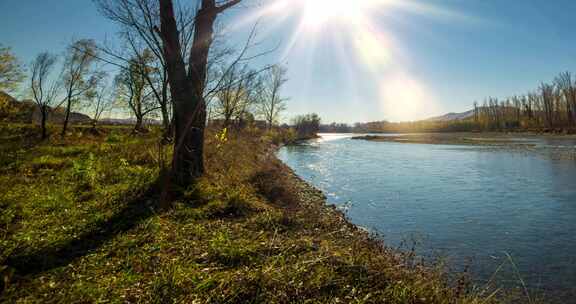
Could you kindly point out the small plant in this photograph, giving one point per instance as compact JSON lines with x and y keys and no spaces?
{"x":221,"y":138}
{"x":165,"y":286}
{"x":113,"y":138}
{"x":224,"y":250}
{"x":84,"y":170}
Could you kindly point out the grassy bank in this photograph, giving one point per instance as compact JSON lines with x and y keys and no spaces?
{"x":80,"y":223}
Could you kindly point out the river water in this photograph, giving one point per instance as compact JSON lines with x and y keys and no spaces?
{"x":504,"y":214}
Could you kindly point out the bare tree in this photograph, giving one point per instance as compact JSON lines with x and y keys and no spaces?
{"x":133,"y":89}
{"x":235,"y":94}
{"x":77,"y":76}
{"x":476,"y":113}
{"x":99,"y":100}
{"x":139,"y":21}
{"x":155,"y":74}
{"x":43,"y":86}
{"x":187,"y":83}
{"x":568,"y":90}
{"x":307,"y":126}
{"x":11,"y":71}
{"x":552,"y":107}
{"x":247,"y":108}
{"x":272,"y":103}
{"x":547,"y":91}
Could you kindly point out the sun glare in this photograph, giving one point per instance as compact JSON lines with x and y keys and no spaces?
{"x":321,"y":12}
{"x":363,"y":44}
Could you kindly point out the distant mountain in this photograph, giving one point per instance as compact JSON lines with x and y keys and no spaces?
{"x":118,"y":121}
{"x":26,"y":111}
{"x":453,"y":116}
{"x":12,"y":110}
{"x":59,"y":114}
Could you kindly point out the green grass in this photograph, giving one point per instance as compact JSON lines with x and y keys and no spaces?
{"x":80,"y":224}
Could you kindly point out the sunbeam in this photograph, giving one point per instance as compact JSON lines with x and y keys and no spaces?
{"x":373,"y":48}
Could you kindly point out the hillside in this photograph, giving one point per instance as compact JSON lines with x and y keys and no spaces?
{"x":453,"y":116}
{"x":26,"y":111}
{"x":11,"y":110}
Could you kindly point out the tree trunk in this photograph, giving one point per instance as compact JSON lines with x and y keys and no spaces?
{"x":44,"y":114}
{"x":187,"y":89}
{"x":165,"y":118}
{"x":138,"y":127}
{"x":167,"y":124}
{"x":188,"y":160}
{"x":227,"y":120}
{"x":67,"y":117}
{"x":270,"y":124}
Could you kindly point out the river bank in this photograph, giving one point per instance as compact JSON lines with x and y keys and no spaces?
{"x":81,"y":223}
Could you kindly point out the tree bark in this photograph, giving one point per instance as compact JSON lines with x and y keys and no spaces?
{"x":67,"y":117}
{"x":138,"y":127}
{"x":165,"y":115}
{"x":44,"y":114}
{"x":187,"y":89}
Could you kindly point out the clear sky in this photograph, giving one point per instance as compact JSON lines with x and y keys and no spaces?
{"x":362,"y":60}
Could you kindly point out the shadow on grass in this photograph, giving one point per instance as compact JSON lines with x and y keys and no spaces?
{"x":135,"y":211}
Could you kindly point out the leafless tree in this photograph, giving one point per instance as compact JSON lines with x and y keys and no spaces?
{"x":77,"y":76}
{"x":99,"y":99}
{"x":272,"y":103}
{"x":253,"y":88}
{"x":43,"y":85}
{"x":568,"y":90}
{"x":307,"y":126}
{"x":11,"y":71}
{"x":133,"y":89}
{"x":140,"y":21}
{"x":476,"y":113}
{"x":187,"y":78}
{"x":235,"y":94}
{"x":547,"y":91}
{"x":551,"y":107}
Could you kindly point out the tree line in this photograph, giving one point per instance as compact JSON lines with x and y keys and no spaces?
{"x":551,"y":107}
{"x":76,"y":81}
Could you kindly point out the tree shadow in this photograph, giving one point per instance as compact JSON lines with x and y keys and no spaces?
{"x":136,"y":211}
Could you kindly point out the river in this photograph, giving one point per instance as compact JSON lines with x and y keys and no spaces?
{"x":507,"y":215}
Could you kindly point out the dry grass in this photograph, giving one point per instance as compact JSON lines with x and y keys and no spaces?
{"x":80,"y":224}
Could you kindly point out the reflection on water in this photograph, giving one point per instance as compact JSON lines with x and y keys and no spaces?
{"x":469,"y":204}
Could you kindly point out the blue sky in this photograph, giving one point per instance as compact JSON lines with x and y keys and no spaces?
{"x":438,"y":56}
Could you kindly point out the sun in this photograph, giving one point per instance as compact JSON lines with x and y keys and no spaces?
{"x":317,"y":13}
{"x":356,"y":33}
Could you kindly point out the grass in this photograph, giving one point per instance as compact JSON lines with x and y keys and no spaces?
{"x":79,"y":223}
